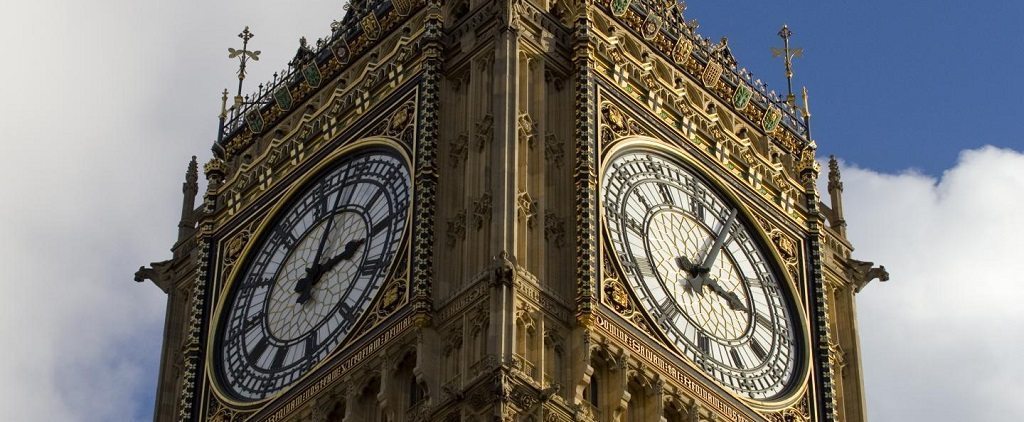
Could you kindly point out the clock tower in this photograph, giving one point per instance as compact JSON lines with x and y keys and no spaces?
{"x":511,"y":210}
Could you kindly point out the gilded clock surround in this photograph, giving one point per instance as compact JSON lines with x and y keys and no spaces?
{"x":509,"y":306}
{"x":619,"y":297}
{"x":391,"y":296}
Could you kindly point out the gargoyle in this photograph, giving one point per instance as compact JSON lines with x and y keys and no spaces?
{"x":863,"y":272}
{"x":157,"y":272}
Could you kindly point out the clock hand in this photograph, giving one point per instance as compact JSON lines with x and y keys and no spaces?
{"x":723,"y":234}
{"x":734,"y":300}
{"x":304,"y":287}
{"x":685,"y":265}
{"x":350,"y":250}
{"x":306,"y":283}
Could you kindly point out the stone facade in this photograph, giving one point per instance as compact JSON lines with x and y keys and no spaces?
{"x":504,"y":305}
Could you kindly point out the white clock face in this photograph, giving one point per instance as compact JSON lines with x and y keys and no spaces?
{"x":696,"y":270}
{"x":315,"y":271}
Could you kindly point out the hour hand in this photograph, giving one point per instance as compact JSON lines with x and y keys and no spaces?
{"x":350,"y":250}
{"x":734,"y":300}
{"x":305,"y":284}
{"x":685,"y":265}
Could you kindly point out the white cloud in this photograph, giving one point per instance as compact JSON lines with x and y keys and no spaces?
{"x":943,"y":339}
{"x":104,"y":102}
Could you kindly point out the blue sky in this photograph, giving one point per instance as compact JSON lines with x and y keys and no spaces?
{"x":893,"y":84}
{"x":106,"y":101}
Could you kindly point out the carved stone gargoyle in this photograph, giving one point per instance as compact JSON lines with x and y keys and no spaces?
{"x":158,"y":272}
{"x":863,"y":272}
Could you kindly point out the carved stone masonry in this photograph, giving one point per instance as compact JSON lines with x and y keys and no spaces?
{"x":527,"y":130}
{"x":484,"y":132}
{"x":554,"y":229}
{"x":456,"y":228}
{"x":459,"y":150}
{"x":482,"y":210}
{"x":554,"y":152}
{"x":527,"y":207}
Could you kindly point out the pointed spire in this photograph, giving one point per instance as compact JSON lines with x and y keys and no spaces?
{"x":835,"y":192}
{"x":192,"y":174}
{"x":189,"y":190}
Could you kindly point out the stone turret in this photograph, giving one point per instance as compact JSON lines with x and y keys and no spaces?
{"x":835,"y":192}
{"x":189,"y":189}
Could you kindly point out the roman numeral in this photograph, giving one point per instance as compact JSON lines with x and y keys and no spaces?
{"x":311,"y":343}
{"x":643,"y":200}
{"x":374,"y":198}
{"x":736,"y":361}
{"x":261,"y":282}
{"x":257,"y":351}
{"x":346,"y":310}
{"x":757,"y":349}
{"x":697,"y":208}
{"x":371,"y":267}
{"x":635,"y":225}
{"x":321,"y":207}
{"x":666,"y":195}
{"x":381,"y":225}
{"x":643,"y":266}
{"x":764,"y":321}
{"x":279,"y":356}
{"x":703,"y":343}
{"x":254,"y":320}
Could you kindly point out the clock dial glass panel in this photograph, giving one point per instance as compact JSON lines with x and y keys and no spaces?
{"x":315,"y":270}
{"x":695,"y":268}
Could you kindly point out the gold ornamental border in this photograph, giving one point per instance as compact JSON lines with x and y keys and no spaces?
{"x":642,"y":143}
{"x":285,"y":199}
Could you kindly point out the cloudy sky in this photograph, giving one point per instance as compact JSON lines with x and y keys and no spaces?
{"x":105,"y":102}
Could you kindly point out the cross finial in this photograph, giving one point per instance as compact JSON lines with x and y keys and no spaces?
{"x":788,"y":54}
{"x":243,"y":55}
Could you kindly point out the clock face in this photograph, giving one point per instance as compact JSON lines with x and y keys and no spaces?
{"x":315,"y":270}
{"x":697,"y":271}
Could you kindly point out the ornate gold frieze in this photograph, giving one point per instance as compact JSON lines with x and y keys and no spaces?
{"x":616,"y":296}
{"x":786,"y":247}
{"x":370,"y":350}
{"x":682,"y":54}
{"x":737,"y":156}
{"x":798,"y":412}
{"x":670,"y":373}
{"x":528,"y":288}
{"x":271,"y":167}
{"x":474,"y":293}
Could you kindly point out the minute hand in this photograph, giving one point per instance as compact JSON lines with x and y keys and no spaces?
{"x":719,"y":241}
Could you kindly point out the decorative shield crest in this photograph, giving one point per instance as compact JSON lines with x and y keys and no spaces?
{"x":772,"y":117}
{"x":371,"y":26}
{"x":283,"y":97}
{"x":402,"y":6}
{"x":254,"y":120}
{"x":741,"y":97}
{"x":341,"y":52}
{"x":619,"y":7}
{"x":682,"y":50}
{"x":651,"y":26}
{"x":712,"y":73}
{"x":311,"y":73}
